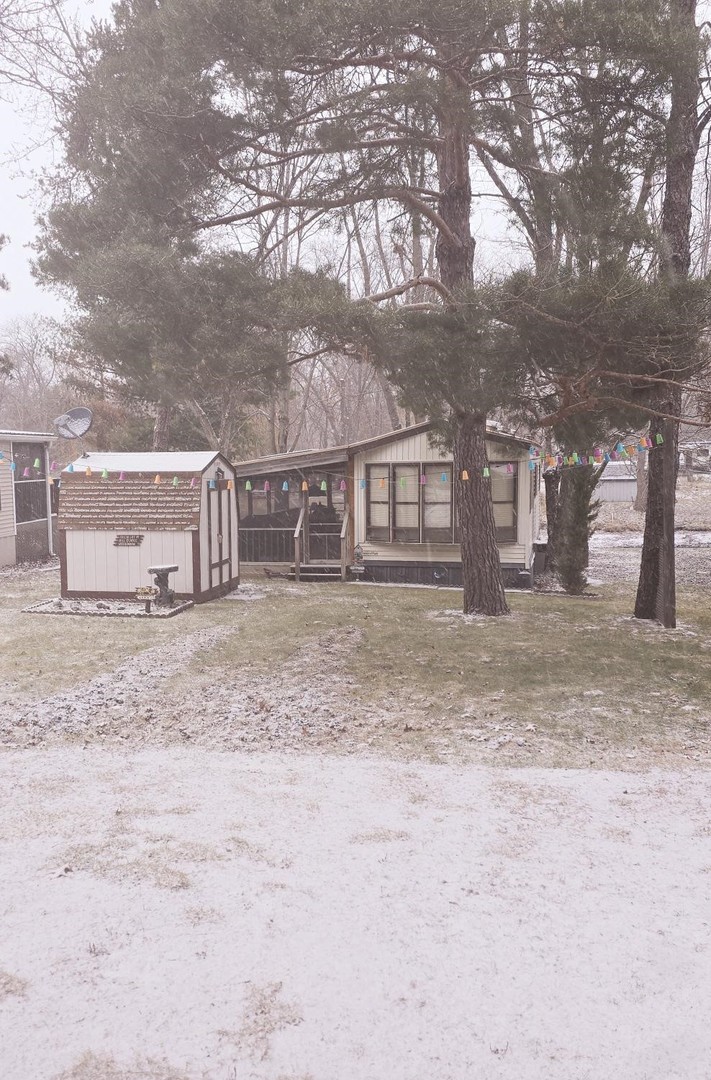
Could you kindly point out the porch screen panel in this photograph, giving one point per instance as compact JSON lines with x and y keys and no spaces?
{"x":503,"y":496}
{"x":406,"y":503}
{"x":377,"y":502}
{"x":30,"y":489}
{"x":437,"y":502}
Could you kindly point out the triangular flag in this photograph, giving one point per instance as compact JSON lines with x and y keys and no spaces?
{"x":509,"y":467}
{"x":104,"y":474}
{"x":324,"y":486}
{"x":13,"y":466}
{"x":88,"y":470}
{"x":53,"y":467}
{"x":487,"y":471}
{"x":443,"y":478}
{"x":70,"y":468}
{"x":122,"y":475}
{"x":25,"y":472}
{"x":342,"y":486}
{"x":193,"y":482}
{"x":465,"y":474}
{"x":248,"y":486}
{"x":230,"y":485}
{"x":212,"y":485}
{"x":267,"y":486}
{"x":660,"y":440}
{"x":304,"y":485}
{"x":36,"y":464}
{"x":175,"y":481}
{"x":157,"y":478}
{"x":285,"y":486}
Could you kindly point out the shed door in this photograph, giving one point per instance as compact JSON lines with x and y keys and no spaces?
{"x":219,"y":531}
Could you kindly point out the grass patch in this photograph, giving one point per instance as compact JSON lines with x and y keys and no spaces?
{"x":561,"y":681}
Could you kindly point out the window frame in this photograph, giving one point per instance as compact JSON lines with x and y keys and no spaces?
{"x":505,"y":534}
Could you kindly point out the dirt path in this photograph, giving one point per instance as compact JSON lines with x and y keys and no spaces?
{"x":188,"y":915}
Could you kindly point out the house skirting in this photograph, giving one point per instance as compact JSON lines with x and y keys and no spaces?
{"x":428,"y":573}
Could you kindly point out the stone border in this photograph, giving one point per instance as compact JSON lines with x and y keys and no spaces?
{"x":126,"y":609}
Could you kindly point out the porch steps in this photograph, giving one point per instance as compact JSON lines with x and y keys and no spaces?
{"x":323,"y":572}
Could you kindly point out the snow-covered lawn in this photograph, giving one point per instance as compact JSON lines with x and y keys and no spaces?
{"x":178,"y":914}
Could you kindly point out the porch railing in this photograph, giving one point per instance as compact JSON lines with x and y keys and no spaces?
{"x":321,"y":542}
{"x":266,"y":545}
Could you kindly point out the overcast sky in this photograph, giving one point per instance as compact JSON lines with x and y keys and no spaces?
{"x":26,"y":145}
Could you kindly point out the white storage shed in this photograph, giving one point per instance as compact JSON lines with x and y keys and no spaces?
{"x":120,"y":514}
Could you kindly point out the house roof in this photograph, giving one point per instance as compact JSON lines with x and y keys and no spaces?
{"x":194,"y":461}
{"x":29,"y":436}
{"x":619,"y":470}
{"x":340,"y":455}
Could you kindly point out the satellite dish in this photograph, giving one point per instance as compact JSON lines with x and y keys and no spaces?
{"x":74,"y":424}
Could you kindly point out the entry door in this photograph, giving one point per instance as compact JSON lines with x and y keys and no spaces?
{"x":219,"y":531}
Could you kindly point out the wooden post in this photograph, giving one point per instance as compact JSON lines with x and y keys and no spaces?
{"x":307,"y":552}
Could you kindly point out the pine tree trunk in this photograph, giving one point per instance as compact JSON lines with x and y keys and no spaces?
{"x":683,"y":133}
{"x":551,"y":480}
{"x":482,"y":577}
{"x":481,"y":565}
{"x":648,"y":586}
{"x":161,"y":428}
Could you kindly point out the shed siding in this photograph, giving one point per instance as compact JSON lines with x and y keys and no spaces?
{"x":94,"y":565}
{"x":210,"y":579}
{"x":616,"y":490}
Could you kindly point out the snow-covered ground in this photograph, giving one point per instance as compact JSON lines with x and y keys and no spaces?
{"x":180,"y":914}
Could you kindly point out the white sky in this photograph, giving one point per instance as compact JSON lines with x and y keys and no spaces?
{"x":26,"y":146}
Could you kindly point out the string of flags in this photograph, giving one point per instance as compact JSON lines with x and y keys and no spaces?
{"x":560,"y":459}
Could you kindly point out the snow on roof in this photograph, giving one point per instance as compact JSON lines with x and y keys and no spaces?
{"x":192,"y":461}
{"x":28,"y":436}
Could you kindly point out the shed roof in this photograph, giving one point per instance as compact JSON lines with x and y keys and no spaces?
{"x":340,"y":455}
{"x":192,"y":461}
{"x":135,"y":503}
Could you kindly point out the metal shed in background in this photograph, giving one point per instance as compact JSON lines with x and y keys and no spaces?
{"x":122,"y":513}
{"x":618,"y":482}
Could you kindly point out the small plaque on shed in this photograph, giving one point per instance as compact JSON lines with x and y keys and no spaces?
{"x":128,"y":540}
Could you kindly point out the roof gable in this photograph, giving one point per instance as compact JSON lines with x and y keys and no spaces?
{"x":193,"y":461}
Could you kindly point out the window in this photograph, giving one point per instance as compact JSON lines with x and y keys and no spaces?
{"x":377,"y":524}
{"x":425,"y":512}
{"x":406,"y":503}
{"x":504,"y":487}
{"x":30,"y":482}
{"x":437,"y":503}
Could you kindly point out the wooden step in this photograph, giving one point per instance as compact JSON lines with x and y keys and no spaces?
{"x":316,"y":572}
